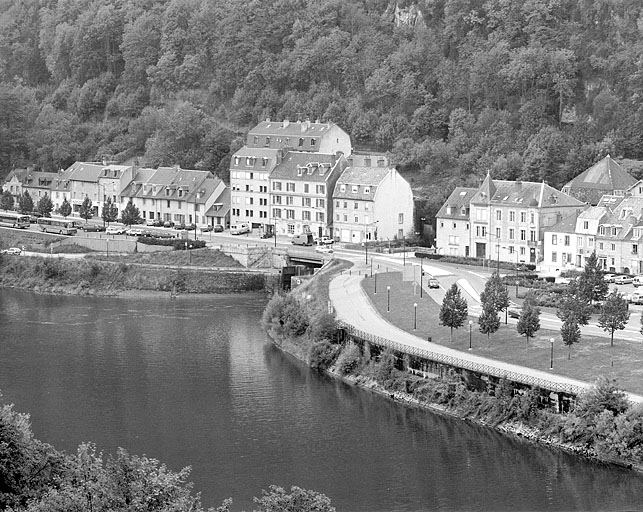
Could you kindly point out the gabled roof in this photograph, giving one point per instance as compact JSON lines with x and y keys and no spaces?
{"x":363,"y":177}
{"x":604,"y":177}
{"x":460,"y":198}
{"x":314,"y":166}
{"x":221,"y":205}
{"x":521,"y":194}
{"x":287,"y":128}
{"x":565,"y":225}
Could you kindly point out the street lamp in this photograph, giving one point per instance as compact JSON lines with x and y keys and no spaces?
{"x":403,"y":250}
{"x":415,"y":315}
{"x":498,"y":251}
{"x":107,"y":244}
{"x":375,"y":283}
{"x":421,"y":273}
{"x":470,"y":324}
{"x":551,"y":359}
{"x":388,"y":299}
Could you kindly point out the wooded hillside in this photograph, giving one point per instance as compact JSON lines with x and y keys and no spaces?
{"x":531,"y":89}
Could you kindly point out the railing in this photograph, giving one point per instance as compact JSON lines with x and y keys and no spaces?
{"x":460,"y":362}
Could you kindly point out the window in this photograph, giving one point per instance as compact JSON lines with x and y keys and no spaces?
{"x":355,"y":189}
{"x":455,"y":225}
{"x":635,"y":248}
{"x":579,"y":241}
{"x":320,"y":189}
{"x":532,"y":235}
{"x":532,"y":217}
{"x":345,"y":218}
{"x":601,"y":230}
{"x":356,"y":206}
{"x":306,"y":188}
{"x":400,"y":218}
{"x":497,"y":232}
{"x":168,"y":203}
{"x":612,"y":247}
{"x":320,"y":203}
{"x":367,"y":190}
{"x":511,"y":249}
{"x":290,"y":214}
{"x":236,"y":160}
{"x":256,"y":140}
{"x":523,"y":235}
{"x":567,"y":240}
{"x":276,"y":199}
{"x":512,"y":216}
{"x":342,"y":188}
{"x":585,"y":224}
{"x":523,"y":216}
{"x":600,"y":246}
{"x":522,"y":251}
{"x":356,"y":219}
{"x":264,"y":161}
{"x":312,"y":142}
{"x":276,"y":185}
{"x":290,"y":200}
{"x":290,"y":187}
{"x":554,"y":257}
{"x":319,"y":216}
{"x":305,"y":215}
{"x":267,"y":144}
{"x":614,"y":229}
{"x":301,"y":142}
{"x":305,"y":201}
{"x":484,"y":231}
{"x":512,"y":233}
{"x":554,"y":239}
{"x":498,"y":214}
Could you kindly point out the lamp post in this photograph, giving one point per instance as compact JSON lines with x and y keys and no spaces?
{"x":365,"y":251}
{"x":388,"y":299}
{"x":421,"y":273}
{"x":107,"y":244}
{"x":516,"y":274}
{"x":375,"y":283}
{"x":498,"y":251}
{"x":470,"y":325}
{"x":403,"y":250}
{"x":415,"y":315}
{"x":551,"y":359}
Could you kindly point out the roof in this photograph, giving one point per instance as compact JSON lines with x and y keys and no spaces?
{"x":521,"y":194}
{"x":605,"y":176}
{"x":363,"y":176}
{"x":565,"y":225}
{"x":288,"y":128}
{"x":594,"y":213}
{"x":154,"y":183}
{"x":221,"y":205}
{"x":89,"y":171}
{"x":313,"y":166}
{"x":459,"y":198}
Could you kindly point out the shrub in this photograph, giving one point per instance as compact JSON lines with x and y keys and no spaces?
{"x":349,"y":359}
{"x":323,"y":327}
{"x":286,"y":315}
{"x":323,"y":354}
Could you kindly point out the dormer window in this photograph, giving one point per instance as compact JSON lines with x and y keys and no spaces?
{"x":236,"y":160}
{"x":342,"y":188}
{"x":355,"y":189}
{"x":312,"y":142}
{"x":167,"y":191}
{"x":301,"y":141}
{"x":256,"y":140}
{"x":367,"y":190}
{"x":180,"y":192}
{"x":264,"y":162}
{"x":267,"y":144}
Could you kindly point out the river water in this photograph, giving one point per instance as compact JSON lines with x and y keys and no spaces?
{"x":196,"y":382}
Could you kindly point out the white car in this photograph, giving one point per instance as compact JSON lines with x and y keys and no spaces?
{"x":12,"y":250}
{"x":325,"y":240}
{"x":115,"y":230}
{"x":325,"y":249}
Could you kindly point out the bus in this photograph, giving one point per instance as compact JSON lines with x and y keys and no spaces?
{"x":14,"y":220}
{"x":60,"y":226}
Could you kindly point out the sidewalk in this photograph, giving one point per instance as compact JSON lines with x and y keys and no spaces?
{"x":354,"y":308}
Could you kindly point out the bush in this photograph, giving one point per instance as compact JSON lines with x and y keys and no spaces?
{"x":323,"y":354}
{"x":286,"y":315}
{"x":349,"y":359}
{"x":323,"y":327}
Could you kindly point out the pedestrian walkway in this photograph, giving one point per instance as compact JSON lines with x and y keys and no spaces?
{"x":353,"y":307}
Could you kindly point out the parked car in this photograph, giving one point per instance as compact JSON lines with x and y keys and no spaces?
{"x":267,"y":234}
{"x":186,"y":227}
{"x":636,"y":298}
{"x":239,"y":229}
{"x":135,"y":231}
{"x":206,"y":229}
{"x":218,"y":228}
{"x":115,"y":230}
{"x":513,"y":313}
{"x":34,"y":216}
{"x":637,"y":281}
{"x":325,"y":240}
{"x":609,"y":278}
{"x":95,"y":228}
{"x":433,"y":283}
{"x":325,"y":249}
{"x":168,"y":224}
{"x":16,"y":251}
{"x":623,"y":280}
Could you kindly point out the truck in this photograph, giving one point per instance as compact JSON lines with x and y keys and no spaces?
{"x":303,"y":239}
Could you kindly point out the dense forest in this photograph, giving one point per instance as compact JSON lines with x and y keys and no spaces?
{"x":531,"y":89}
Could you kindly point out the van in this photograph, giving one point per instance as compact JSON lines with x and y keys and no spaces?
{"x":637,"y":281}
{"x":239,"y":229}
{"x":303,"y":239}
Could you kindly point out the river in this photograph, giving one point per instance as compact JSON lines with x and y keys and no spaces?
{"x":195,"y":381}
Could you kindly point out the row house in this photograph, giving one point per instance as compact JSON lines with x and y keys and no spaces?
{"x":178,"y":195}
{"x":301,"y":188}
{"x":371,"y":203}
{"x":453,"y":223}
{"x":36,"y":183}
{"x":507,"y":220}
{"x":265,"y":148}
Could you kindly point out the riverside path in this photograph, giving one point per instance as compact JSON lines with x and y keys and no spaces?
{"x":354,"y":308}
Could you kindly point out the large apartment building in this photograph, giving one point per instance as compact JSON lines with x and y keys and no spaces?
{"x":265,"y":148}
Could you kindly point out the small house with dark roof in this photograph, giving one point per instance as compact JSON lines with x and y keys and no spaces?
{"x":452,"y":220}
{"x":561,"y":245}
{"x":605,"y":177}
{"x":372,"y":203}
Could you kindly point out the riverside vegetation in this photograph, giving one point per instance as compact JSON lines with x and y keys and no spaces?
{"x":602,"y":425}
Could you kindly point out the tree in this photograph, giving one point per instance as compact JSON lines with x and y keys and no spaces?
{"x":496,"y":293}
{"x":110,"y":211}
{"x":6,"y":201}
{"x":301,"y":500}
{"x":614,"y":314}
{"x":45,"y":206}
{"x":25,"y":203}
{"x":570,"y":333}
{"x":86,"y":210}
{"x":130,"y":214}
{"x":529,"y":321}
{"x":489,"y":320}
{"x":574,"y":305}
{"x":591,"y":285}
{"x":454,"y":309}
{"x":65,"y":208}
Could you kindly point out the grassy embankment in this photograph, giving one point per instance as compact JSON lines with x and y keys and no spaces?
{"x":587,"y":360}
{"x":97,"y":275}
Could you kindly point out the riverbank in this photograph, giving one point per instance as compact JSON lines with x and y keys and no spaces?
{"x":603,"y":427}
{"x":89,"y":276}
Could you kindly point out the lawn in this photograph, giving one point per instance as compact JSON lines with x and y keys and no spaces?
{"x":590,"y":358}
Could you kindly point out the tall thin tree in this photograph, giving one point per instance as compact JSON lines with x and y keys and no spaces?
{"x":454,"y":309}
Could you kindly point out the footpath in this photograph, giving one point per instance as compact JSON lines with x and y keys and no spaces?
{"x":354,"y":308}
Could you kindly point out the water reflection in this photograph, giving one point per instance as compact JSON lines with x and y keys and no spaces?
{"x":196,"y":382}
